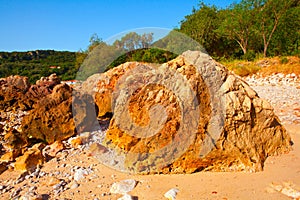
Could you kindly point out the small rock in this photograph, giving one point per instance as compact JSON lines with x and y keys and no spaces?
{"x":126,"y":197}
{"x":80,"y":174}
{"x":53,"y":148}
{"x":56,"y":173}
{"x":15,"y":193}
{"x":30,"y":160}
{"x":57,"y":186}
{"x":171,"y":194}
{"x":123,"y":187}
{"x":53,"y":181}
{"x":20,"y":179}
{"x":8,"y":157}
{"x":75,"y":142}
{"x":26,"y":197}
{"x":32,"y":189}
{"x":95,"y":149}
{"x":74,"y":185}
{"x":3,"y":167}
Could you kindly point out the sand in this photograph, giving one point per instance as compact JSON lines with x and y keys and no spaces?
{"x":203,"y":185}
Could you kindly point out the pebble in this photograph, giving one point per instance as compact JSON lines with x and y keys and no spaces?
{"x":81,"y":173}
{"x":171,"y":194}
{"x":32,"y":189}
{"x":19,"y":180}
{"x":74,"y":185}
{"x":126,"y":197}
{"x":56,"y":173}
{"x":123,"y":187}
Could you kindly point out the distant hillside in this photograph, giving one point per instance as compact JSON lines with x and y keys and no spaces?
{"x":35,"y":64}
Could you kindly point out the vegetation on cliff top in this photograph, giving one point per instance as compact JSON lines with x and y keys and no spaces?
{"x":248,"y":30}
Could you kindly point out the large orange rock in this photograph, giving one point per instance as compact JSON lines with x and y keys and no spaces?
{"x":190,"y":114}
{"x":51,"y":119}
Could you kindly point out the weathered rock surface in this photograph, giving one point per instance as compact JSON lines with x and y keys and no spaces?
{"x":219,"y":124}
{"x":17,"y":93}
{"x":30,"y":159}
{"x":34,"y":113}
{"x":48,"y":106}
{"x":51,"y":119}
{"x":12,"y":92}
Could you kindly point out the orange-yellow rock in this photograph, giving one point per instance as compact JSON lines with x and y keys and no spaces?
{"x":190,"y":114}
{"x":29,"y":160}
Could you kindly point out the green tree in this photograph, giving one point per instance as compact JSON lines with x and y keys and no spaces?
{"x":287,"y":36}
{"x":270,"y":16}
{"x":201,"y":26}
{"x":94,"y":41}
{"x":146,"y":40}
{"x":132,"y":41}
{"x":238,"y":24}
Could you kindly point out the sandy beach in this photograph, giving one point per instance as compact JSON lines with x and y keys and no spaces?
{"x":283,"y":170}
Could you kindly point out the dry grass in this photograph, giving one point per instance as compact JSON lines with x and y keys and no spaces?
{"x":265,"y":66}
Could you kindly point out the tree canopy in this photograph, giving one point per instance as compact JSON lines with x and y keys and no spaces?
{"x":267,"y":27}
{"x":248,"y":29}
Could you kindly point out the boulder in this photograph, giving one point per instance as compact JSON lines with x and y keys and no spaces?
{"x":12,"y":92}
{"x":42,"y":88}
{"x":10,"y":156}
{"x":16,"y":93}
{"x":51,"y":119}
{"x":13,"y":140}
{"x":190,"y":114}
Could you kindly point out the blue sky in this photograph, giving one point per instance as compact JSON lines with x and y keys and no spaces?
{"x":68,"y":24}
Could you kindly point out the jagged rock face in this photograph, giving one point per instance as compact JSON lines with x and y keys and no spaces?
{"x":51,"y":119}
{"x":105,"y":86}
{"x":16,"y":93}
{"x":48,"y":116}
{"x":161,"y":126}
{"x":13,"y":89}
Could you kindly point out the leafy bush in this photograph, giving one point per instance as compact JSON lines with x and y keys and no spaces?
{"x":284,"y":60}
{"x":151,"y":55}
{"x":250,"y":55}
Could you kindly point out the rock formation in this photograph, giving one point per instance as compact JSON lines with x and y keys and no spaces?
{"x":51,"y":119}
{"x":16,"y":93}
{"x":49,"y":110}
{"x":190,"y":114}
{"x":31,"y":114}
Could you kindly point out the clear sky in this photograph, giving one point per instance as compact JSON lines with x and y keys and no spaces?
{"x":69,"y":24}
